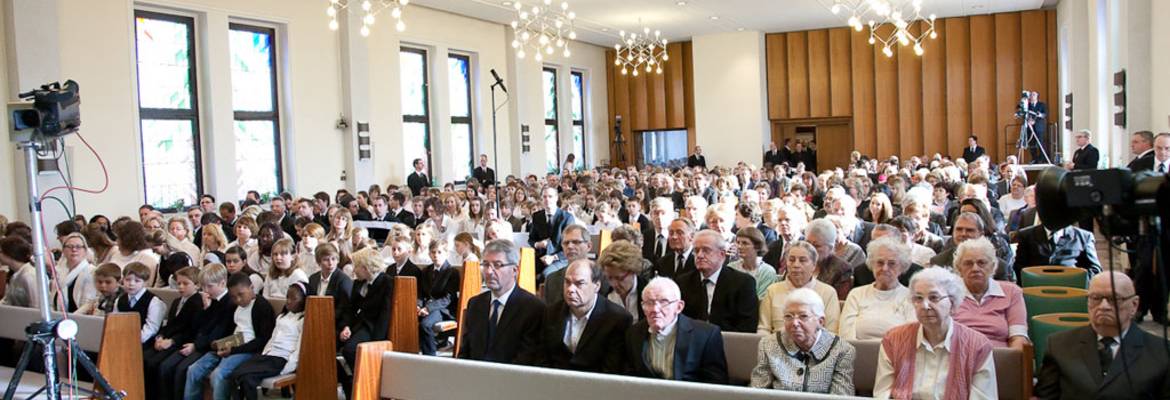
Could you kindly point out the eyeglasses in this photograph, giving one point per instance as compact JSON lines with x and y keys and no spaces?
{"x":568,"y":242}
{"x":652,"y":304}
{"x":933,"y":299}
{"x":1097,"y":298}
{"x":74,"y":247}
{"x":800,"y":317}
{"x":497,"y":265}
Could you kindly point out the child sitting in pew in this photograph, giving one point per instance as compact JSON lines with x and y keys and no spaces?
{"x":438,"y":296}
{"x":254,"y":321}
{"x":279,"y":356}
{"x":215,"y":321}
{"x":283,"y":273}
{"x":329,"y":280}
{"x":106,"y":278}
{"x":178,"y":329}
{"x":136,"y":298}
{"x":236,"y":261}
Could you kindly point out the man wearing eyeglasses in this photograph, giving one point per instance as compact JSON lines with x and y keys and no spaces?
{"x":722,"y":296}
{"x":668,"y":345}
{"x":585,"y":332}
{"x":575,"y":245}
{"x":503,"y":324}
{"x":1109,"y":359}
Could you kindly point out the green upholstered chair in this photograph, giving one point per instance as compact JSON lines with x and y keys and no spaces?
{"x":1047,"y":324}
{"x":1055,"y":275}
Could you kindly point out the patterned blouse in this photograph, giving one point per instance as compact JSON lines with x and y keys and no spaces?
{"x":826,"y":368}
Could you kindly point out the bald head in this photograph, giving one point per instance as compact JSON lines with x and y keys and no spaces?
{"x":1112,"y":303}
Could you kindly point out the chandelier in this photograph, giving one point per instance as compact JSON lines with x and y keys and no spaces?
{"x":543,"y":29}
{"x":637,"y":52}
{"x":856,"y":9}
{"x":901,"y":18}
{"x":371,"y":8}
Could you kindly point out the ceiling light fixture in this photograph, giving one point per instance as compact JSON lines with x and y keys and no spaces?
{"x":681,"y":3}
{"x":370,"y":8}
{"x":640,"y":52}
{"x":901,"y":17}
{"x":543,"y":29}
{"x":714,"y":17}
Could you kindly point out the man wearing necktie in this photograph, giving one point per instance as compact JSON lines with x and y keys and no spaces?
{"x":502,"y":324}
{"x":418,"y":180}
{"x":1141,"y":145}
{"x":973,"y":150}
{"x":722,"y":296}
{"x":680,"y":258}
{"x":1162,"y":153}
{"x":1150,"y":280}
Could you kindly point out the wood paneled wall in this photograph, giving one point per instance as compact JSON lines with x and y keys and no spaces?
{"x":968,"y":81}
{"x":651,"y":101}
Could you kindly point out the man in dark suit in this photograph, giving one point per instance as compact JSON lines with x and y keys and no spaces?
{"x":786,"y":156}
{"x":1069,"y":246}
{"x":973,"y":150}
{"x":502,"y":324}
{"x":698,"y":346}
{"x":1141,"y":144}
{"x":381,"y":214}
{"x":418,"y":179}
{"x":714,"y":293}
{"x":679,"y":258}
{"x":575,"y":245}
{"x":548,"y":225}
{"x":697,"y":159}
{"x":585,"y":332}
{"x":400,"y":264}
{"x":1038,"y":119}
{"x":1109,"y":359}
{"x":772,"y":156}
{"x":484,"y":174}
{"x":439,"y":299}
{"x":1086,"y":156}
{"x":653,"y":243}
{"x":330,"y":281}
{"x":399,"y":212}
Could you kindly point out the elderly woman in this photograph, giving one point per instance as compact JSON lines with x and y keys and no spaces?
{"x":935,"y":357}
{"x":873,"y":309}
{"x":822,"y":235}
{"x":628,"y":233}
{"x":805,"y":356}
{"x":750,"y":243}
{"x":622,"y":264}
{"x":993,"y":308}
{"x":800,"y":257}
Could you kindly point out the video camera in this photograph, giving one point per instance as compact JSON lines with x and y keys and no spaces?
{"x":1122,"y":198}
{"x":50,"y":112}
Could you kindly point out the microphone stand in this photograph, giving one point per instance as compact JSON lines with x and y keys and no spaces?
{"x":495,"y":142}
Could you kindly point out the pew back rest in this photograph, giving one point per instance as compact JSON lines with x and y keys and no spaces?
{"x":742,"y":351}
{"x":89,"y":327}
{"x":168,"y":295}
{"x":409,"y":376}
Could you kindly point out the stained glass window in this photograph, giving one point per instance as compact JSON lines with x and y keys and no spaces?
{"x":462,"y":147}
{"x":168,"y":109}
{"x":578,"y":91}
{"x":551,"y":144}
{"x":415,"y":111}
{"x":254,"y":100}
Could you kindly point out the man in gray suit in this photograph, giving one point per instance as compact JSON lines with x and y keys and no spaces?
{"x":1111,"y":358}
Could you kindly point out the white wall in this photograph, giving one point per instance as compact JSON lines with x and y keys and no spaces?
{"x":1159,"y":51}
{"x":9,"y":163}
{"x":731,"y":102}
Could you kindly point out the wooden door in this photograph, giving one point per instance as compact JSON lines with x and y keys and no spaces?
{"x":834,"y":138}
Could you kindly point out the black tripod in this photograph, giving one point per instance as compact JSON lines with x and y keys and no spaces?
{"x":42,"y":334}
{"x":1028,"y":139}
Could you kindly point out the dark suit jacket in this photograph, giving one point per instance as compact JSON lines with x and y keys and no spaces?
{"x":215,"y":322}
{"x":340,"y":287}
{"x":405,"y":217}
{"x":417,"y":182}
{"x":1021,"y":218}
{"x":181,"y":327}
{"x":440,"y":290}
{"x":1086,"y":158}
{"x":698,"y":351}
{"x":734,"y":306}
{"x":485,"y":176}
{"x":1075,"y":249}
{"x":772,"y":157}
{"x":554,"y":286}
{"x":785,"y":156}
{"x":263,"y":321}
{"x":601,"y":346}
{"x":664,"y":266}
{"x":970,"y":155}
{"x":1142,"y":163}
{"x":517,"y":338}
{"x":696,"y":161}
{"x":544,"y":228}
{"x":774,"y":252}
{"x":1072,"y":370}
{"x":372,"y":311}
{"x":770,"y":235}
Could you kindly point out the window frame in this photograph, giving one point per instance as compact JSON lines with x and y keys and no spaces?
{"x":555,"y":121}
{"x":166,"y":114}
{"x":468,"y":120}
{"x":273,"y":115}
{"x":425,"y":118}
{"x":580,"y":122}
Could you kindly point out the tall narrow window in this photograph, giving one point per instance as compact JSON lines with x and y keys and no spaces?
{"x":578,"y":89}
{"x":462,"y":147}
{"x":416,"y":120}
{"x":552,"y":151}
{"x":168,"y":109}
{"x":257,"y":123}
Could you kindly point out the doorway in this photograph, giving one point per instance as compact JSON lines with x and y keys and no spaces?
{"x":831,"y":137}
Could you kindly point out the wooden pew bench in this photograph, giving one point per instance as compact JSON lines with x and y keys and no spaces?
{"x":114,"y":337}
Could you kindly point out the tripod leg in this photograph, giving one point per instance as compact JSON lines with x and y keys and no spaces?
{"x":52,"y":381}
{"x":25,"y":355}
{"x":107,"y":391}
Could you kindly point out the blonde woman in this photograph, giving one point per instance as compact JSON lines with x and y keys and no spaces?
{"x":213,"y":240}
{"x":342,"y":230}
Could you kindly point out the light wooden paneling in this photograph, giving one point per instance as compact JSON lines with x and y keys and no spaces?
{"x":1053,"y":97}
{"x":864,"y":120}
{"x":840,"y":73}
{"x":639,"y":92}
{"x":886,"y":98}
{"x":818,"y":73}
{"x":657,"y":100}
{"x":909,"y":101}
{"x":675,"y":106}
{"x":797,"y":74}
{"x":689,"y":91}
{"x":777,"y":61}
{"x":1007,"y":79}
{"x":983,"y":87}
{"x":1034,"y":51}
{"x":958,"y":86}
{"x":934,"y":95}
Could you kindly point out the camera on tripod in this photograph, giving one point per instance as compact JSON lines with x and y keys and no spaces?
{"x":1123,"y":198}
{"x":50,"y":112}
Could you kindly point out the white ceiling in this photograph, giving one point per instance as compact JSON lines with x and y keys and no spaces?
{"x":598,"y":21}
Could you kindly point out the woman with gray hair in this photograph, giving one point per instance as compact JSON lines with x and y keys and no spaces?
{"x":873,"y":309}
{"x":994,"y":308}
{"x":804,"y":356}
{"x":935,"y":357}
{"x":801,"y":260}
{"x":831,"y":269}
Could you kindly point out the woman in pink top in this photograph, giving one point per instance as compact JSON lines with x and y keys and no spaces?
{"x":993,"y":308}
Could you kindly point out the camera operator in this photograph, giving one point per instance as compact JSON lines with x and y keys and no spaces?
{"x":1035,"y":115}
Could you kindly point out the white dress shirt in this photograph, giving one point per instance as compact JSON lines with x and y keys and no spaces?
{"x":575,"y":326}
{"x":714,"y":278}
{"x":931,"y":364}
{"x":286,"y":340}
{"x":156,"y":312}
{"x":243,"y":320}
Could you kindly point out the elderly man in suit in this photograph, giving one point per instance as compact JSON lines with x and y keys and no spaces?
{"x":669,"y":345}
{"x":502,"y":324}
{"x":680,"y":257}
{"x":1141,"y":144}
{"x":585,"y":332}
{"x":1069,"y":246}
{"x":722,"y":296}
{"x":1109,"y":359}
{"x":1086,"y":156}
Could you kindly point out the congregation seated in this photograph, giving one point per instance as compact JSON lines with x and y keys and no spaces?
{"x":864,"y":276}
{"x":670,"y":345}
{"x":872,"y":310}
{"x":585,"y":331}
{"x":804,"y":356}
{"x":280,"y":353}
{"x":993,"y":308}
{"x":714,"y":293}
{"x":367,"y":314}
{"x":969,"y":226}
{"x":800,"y":257}
{"x":679,"y":257}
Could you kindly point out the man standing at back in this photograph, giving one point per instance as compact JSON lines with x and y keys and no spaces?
{"x":1141,"y":144}
{"x":418,"y":179}
{"x":502,"y":324}
{"x":697,"y":159}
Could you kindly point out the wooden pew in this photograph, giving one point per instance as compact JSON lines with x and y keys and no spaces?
{"x":527,"y":269}
{"x":367,"y":372}
{"x":404,"y":315}
{"x":605,"y":240}
{"x":167,"y":295}
{"x":119,"y":350}
{"x":317,"y":356}
{"x":471,"y":285}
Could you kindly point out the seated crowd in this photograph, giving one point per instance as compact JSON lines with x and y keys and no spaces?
{"x":924,"y":255}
